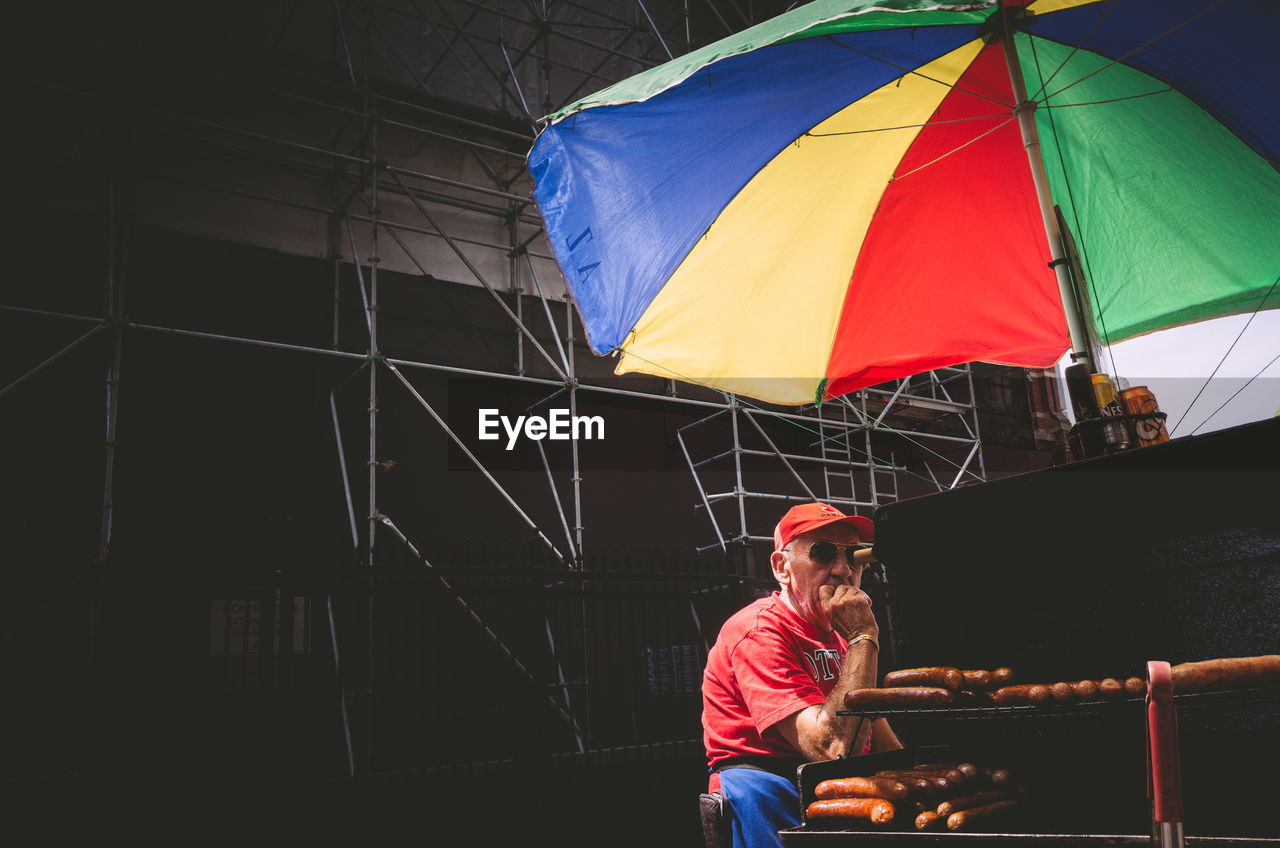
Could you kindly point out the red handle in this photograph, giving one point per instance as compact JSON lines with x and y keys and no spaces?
{"x":1165,"y":770}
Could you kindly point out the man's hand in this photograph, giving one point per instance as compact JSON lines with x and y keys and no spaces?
{"x":848,"y":609}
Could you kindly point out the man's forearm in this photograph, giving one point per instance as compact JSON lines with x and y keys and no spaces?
{"x":858,"y":671}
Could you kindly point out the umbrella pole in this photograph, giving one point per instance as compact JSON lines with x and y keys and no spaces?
{"x":1024,"y":110}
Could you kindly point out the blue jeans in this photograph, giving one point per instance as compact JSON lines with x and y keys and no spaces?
{"x":761,"y":804}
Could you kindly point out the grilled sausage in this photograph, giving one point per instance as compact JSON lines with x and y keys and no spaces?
{"x":1007,"y":696}
{"x":1062,"y":692}
{"x":924,"y":784}
{"x":898,"y":697}
{"x":969,"y":819}
{"x":968,"y":802}
{"x":977,"y":680}
{"x":968,"y":771}
{"x":1226,"y":673}
{"x":929,"y":820}
{"x":1002,"y":676}
{"x":1110,"y":688}
{"x":861,"y":787}
{"x":1135,"y":686}
{"x":1001,"y":777}
{"x":945,"y":677}
{"x":874,"y":810}
{"x":1036,"y":694}
{"x":971,"y":698}
{"x":951,"y":773}
{"x":1085,"y":689}
{"x":921,"y":788}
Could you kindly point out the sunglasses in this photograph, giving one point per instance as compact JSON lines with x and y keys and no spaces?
{"x":825,"y":553}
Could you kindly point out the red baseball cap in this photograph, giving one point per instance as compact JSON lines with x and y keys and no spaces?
{"x":811,"y":516}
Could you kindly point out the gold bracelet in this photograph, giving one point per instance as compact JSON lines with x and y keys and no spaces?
{"x":865,"y":636}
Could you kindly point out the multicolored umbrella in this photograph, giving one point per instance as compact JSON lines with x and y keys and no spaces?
{"x":848,"y":194}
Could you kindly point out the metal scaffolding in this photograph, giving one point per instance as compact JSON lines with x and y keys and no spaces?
{"x":391,"y":136}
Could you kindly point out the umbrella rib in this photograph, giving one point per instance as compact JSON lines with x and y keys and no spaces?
{"x":813,"y":134}
{"x":949,"y":152}
{"x":1075,"y":49}
{"x":1256,"y":309}
{"x":1237,"y":392}
{"x":914,"y":72}
{"x":1140,"y":47}
{"x":1164,"y":90}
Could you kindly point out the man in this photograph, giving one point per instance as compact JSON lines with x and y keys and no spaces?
{"x":779,"y":671}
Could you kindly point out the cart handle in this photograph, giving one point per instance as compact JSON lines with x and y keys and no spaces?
{"x":1164,"y":775}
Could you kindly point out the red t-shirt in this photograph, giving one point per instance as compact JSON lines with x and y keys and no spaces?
{"x":767,"y":664}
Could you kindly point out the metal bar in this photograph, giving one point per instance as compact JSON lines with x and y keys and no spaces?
{"x":462,"y":32}
{"x":701,"y":492}
{"x":342,"y":691}
{"x":52,"y":359}
{"x":342,"y":466}
{"x":474,"y":616}
{"x":515,"y":83}
{"x":374,"y":353}
{"x":779,"y":454}
{"x":977,"y":426}
{"x":546,"y":307}
{"x":355,"y":260}
{"x":114,"y":309}
{"x":466,"y":142}
{"x":458,"y":251}
{"x":44,"y":313}
{"x":717,"y":414}
{"x":505,"y":195}
{"x":573,"y":445}
{"x":1024,"y":110}
{"x":654,"y":28}
{"x":555,"y":497}
{"x":513,"y":285}
{"x":802,"y":458}
{"x":724,"y":496}
{"x":346,"y":49}
{"x":463,"y":447}
{"x":197,"y":334}
{"x":563,"y":684}
{"x":964,"y":466}
{"x":737,"y":464}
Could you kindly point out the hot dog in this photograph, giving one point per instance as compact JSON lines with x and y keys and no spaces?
{"x":1135,"y":686}
{"x":1085,"y":689}
{"x":968,"y":771}
{"x":923,"y":784}
{"x":861,"y":787}
{"x":969,"y":819}
{"x":1062,"y":692}
{"x":1007,"y":696}
{"x":968,"y":802}
{"x":951,"y":773}
{"x":874,"y":810}
{"x":1023,"y":693}
{"x":921,"y":788}
{"x":929,"y":820}
{"x":1001,"y":777}
{"x":945,"y":677}
{"x":1226,"y":673}
{"x":1002,"y":676}
{"x":898,"y":697}
{"x":977,"y":680}
{"x":1110,"y":688}
{"x":971,"y":698}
